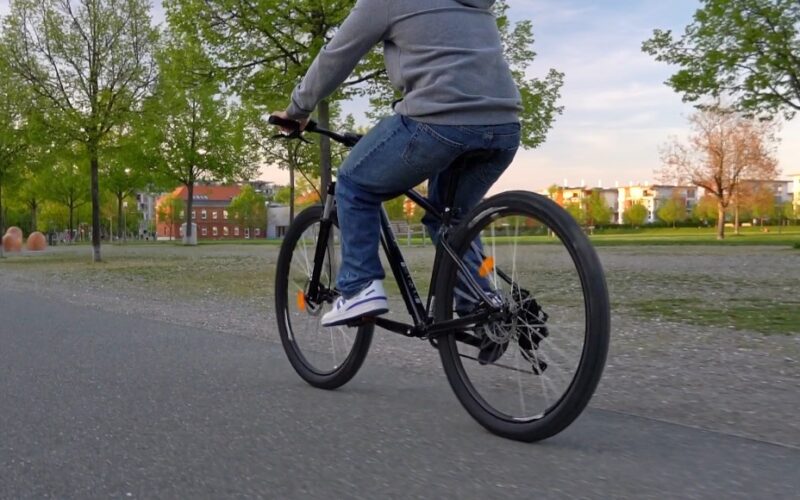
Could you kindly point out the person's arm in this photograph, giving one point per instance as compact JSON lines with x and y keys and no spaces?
{"x":364,"y":27}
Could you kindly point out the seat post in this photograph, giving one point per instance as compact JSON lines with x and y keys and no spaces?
{"x":452,"y":181}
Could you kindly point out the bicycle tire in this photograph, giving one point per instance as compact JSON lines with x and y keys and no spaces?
{"x":321,"y":378}
{"x":597,"y":318}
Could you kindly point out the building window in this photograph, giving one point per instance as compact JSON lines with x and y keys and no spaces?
{"x":226,"y":231}
{"x":247,"y":233}
{"x":225,"y":214}
{"x":204,"y":214}
{"x":194,"y":215}
{"x":205,"y":231}
{"x":236,"y":231}
{"x":215,"y":231}
{"x":183,"y":214}
{"x":214,"y":214}
{"x":280,"y":231}
{"x":258,"y":231}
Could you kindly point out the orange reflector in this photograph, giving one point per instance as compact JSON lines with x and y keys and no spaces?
{"x":486,"y":267}
{"x":301,"y":301}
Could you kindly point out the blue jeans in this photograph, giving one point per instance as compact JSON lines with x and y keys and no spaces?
{"x":396,"y":155}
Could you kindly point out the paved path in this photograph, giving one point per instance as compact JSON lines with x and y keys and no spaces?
{"x":94,"y":404}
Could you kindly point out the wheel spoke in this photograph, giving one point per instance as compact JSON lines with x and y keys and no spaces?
{"x":527,"y":277}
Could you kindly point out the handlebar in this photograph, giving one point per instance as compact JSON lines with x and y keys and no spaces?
{"x":349,"y":139}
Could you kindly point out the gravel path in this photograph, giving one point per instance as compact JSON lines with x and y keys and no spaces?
{"x":722,"y":379}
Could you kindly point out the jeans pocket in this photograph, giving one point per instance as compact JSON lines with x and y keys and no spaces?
{"x":429,"y":152}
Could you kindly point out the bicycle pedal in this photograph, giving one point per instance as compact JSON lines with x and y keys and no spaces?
{"x":362,"y":321}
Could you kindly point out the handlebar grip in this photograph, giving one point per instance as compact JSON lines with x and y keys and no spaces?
{"x":283,"y":122}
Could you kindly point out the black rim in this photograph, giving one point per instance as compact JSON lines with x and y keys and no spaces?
{"x":487,"y":217}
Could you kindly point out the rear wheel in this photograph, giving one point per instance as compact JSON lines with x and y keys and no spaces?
{"x":324,"y":357}
{"x":528,"y":374}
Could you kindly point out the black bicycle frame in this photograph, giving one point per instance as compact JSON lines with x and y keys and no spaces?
{"x":424,"y":325}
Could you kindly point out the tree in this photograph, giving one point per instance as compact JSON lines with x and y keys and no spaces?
{"x":67,"y":186}
{"x":265,"y":47}
{"x":597,"y":209}
{"x":191,"y":129}
{"x":249,"y":209}
{"x":724,"y":148}
{"x":13,"y":136}
{"x":90,"y":62}
{"x":577,"y":211}
{"x":760,"y":201}
{"x":125,"y":170}
{"x":539,"y":96}
{"x":673,"y":210}
{"x":706,"y":209}
{"x":747,"y":49}
{"x":169,"y":210}
{"x":635,"y":215}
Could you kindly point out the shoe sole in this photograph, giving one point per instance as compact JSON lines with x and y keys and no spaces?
{"x":358,"y":313}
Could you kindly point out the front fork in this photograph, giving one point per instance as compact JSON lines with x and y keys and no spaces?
{"x":315,"y":294}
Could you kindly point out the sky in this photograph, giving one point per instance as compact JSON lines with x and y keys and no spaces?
{"x":617,"y":110}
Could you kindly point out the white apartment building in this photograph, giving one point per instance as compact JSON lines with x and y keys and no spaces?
{"x":146,"y":207}
{"x":653,"y":196}
{"x":796,"y":191}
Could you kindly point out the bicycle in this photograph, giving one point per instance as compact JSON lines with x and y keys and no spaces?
{"x":526,"y":356}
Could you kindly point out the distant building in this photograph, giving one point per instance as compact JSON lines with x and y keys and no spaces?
{"x":146,"y":204}
{"x":579,"y":195}
{"x":210,"y":212}
{"x":796,"y":192}
{"x":267,"y":188}
{"x":653,"y":197}
{"x":277,"y":220}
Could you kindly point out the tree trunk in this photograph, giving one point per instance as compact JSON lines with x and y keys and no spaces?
{"x":119,"y":215}
{"x":325,"y":164}
{"x":291,"y":193}
{"x":71,"y":226}
{"x":94,"y":162}
{"x":189,"y":199}
{"x":34,"y":206}
{"x":720,"y":221}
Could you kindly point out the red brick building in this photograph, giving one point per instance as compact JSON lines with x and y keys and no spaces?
{"x":209,"y":211}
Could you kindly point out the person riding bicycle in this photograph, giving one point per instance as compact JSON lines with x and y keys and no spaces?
{"x":446,"y":58}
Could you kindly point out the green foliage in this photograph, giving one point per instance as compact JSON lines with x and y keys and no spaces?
{"x":91,"y":65}
{"x":13,"y":133}
{"x":249,"y":209}
{"x":577,"y":211}
{"x":597,"y":210}
{"x":283,"y":195}
{"x":169,"y":211}
{"x":743,"y":48}
{"x":706,"y":209}
{"x":635,"y":215}
{"x":190,"y":129}
{"x":539,"y":96}
{"x":672,"y":211}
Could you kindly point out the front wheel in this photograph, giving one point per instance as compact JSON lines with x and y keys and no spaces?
{"x":528,"y":373}
{"x":324,"y":357}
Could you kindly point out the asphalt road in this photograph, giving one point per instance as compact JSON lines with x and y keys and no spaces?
{"x":94,"y":404}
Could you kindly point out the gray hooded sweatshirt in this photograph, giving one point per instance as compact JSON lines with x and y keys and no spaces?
{"x":445,"y":56}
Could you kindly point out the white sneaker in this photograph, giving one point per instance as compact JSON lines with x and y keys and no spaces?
{"x":371,"y":301}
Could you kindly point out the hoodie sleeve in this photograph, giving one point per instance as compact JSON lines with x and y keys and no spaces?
{"x":365,"y":26}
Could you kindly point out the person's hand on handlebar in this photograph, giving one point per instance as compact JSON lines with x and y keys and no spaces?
{"x":285,"y":116}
